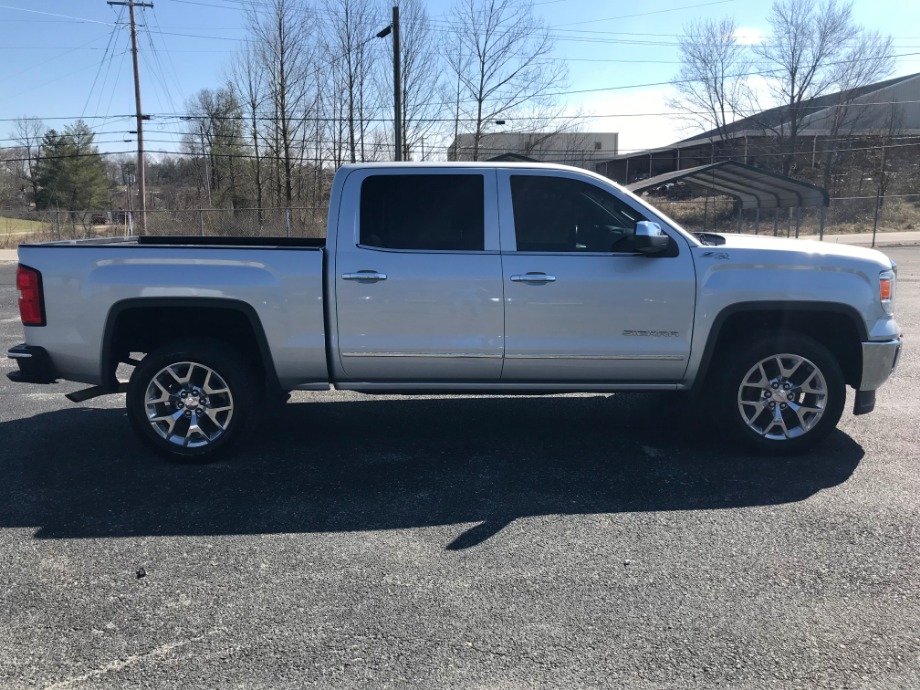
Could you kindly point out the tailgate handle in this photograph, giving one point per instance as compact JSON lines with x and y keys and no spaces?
{"x":364,"y":275}
{"x":533,"y":278}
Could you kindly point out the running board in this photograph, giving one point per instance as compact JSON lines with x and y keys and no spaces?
{"x":94,"y":392}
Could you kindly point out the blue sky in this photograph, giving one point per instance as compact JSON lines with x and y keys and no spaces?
{"x":63,"y":59}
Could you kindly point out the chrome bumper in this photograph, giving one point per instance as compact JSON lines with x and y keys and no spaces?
{"x":879,"y":362}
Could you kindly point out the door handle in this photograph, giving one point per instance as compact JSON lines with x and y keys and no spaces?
{"x":365,"y":275}
{"x":533,"y":278}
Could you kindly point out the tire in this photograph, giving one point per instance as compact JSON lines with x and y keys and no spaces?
{"x":780,"y":395}
{"x":193,"y":400}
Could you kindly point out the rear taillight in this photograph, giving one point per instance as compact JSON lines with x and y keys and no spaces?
{"x":31,"y":304}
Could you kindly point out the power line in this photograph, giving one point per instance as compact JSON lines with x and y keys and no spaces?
{"x":914,"y":142}
{"x":55,"y":14}
{"x":102,"y":63}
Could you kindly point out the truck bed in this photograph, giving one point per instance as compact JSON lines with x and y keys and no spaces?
{"x":90,"y":284}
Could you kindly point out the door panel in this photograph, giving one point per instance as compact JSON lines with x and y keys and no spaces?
{"x":434,"y":317}
{"x":421,"y":314}
{"x":574,"y":313}
{"x":603,"y":318}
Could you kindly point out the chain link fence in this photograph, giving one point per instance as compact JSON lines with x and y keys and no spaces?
{"x":846,"y":215}
{"x":718,"y":214}
{"x":51,"y":225}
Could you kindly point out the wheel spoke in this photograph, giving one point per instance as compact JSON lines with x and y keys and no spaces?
{"x":212,"y":415}
{"x":169,"y":419}
{"x":164,"y":393}
{"x":758,"y":405}
{"x":172,"y":371}
{"x":211,"y":390}
{"x":787,"y":373}
{"x":806,"y":386}
{"x":777,"y":421}
{"x":802,"y":412}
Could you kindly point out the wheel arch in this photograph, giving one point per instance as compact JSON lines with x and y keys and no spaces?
{"x":139,"y":325}
{"x":837,"y":326}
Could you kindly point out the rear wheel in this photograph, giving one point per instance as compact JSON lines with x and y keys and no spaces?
{"x":782,"y":395}
{"x":193,"y":399}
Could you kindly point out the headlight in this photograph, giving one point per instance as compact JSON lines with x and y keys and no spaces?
{"x":886,"y":290}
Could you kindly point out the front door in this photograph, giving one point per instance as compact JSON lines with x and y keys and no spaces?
{"x":580,"y":304}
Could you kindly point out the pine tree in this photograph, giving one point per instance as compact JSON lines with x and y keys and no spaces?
{"x":70,"y":173}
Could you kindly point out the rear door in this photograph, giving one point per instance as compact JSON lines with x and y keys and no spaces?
{"x":418,"y":276}
{"x":580,"y":303}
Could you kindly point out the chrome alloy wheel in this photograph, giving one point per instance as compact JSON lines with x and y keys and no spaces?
{"x":189,"y":404}
{"x":783,"y":397}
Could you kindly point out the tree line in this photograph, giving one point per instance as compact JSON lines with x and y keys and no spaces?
{"x":813,"y":50}
{"x":312,"y":89}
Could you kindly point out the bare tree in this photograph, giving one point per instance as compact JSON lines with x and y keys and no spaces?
{"x":249,"y":82}
{"x":28,"y":133}
{"x":808,"y":44}
{"x":711,"y":83}
{"x":350,"y":28}
{"x":11,"y":184}
{"x":868,"y":59}
{"x":281,"y":30}
{"x":502,"y":61}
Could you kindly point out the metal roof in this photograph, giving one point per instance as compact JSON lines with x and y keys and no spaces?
{"x":754,"y":187}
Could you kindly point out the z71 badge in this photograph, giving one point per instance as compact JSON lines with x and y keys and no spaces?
{"x":652,"y":334}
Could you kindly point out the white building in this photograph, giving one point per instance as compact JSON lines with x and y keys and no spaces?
{"x":582,"y":149}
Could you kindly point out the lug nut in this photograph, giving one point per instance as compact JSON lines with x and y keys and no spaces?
{"x":786,"y":386}
{"x":775,"y":385}
{"x":772,"y":405}
{"x":790,"y":397}
{"x":184,"y":394}
{"x":180,"y":405}
{"x":188,"y":413}
{"x":783,"y":406}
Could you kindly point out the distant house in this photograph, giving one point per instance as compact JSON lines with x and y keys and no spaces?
{"x":833,"y":122}
{"x":581,"y":149}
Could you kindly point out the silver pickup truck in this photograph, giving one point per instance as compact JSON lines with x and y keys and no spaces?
{"x":478,"y":278}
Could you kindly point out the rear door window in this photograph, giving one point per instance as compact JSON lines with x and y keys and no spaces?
{"x":423,"y":212}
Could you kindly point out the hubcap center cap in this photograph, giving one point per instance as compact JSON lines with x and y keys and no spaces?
{"x":779,"y":396}
{"x":192,"y":400}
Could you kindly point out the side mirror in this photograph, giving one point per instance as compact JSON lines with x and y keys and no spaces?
{"x":650,"y":238}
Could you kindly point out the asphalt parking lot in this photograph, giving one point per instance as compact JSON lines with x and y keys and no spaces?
{"x":562,"y":542}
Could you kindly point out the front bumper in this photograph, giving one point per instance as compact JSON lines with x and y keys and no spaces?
{"x":879,"y":362}
{"x":34,"y":365}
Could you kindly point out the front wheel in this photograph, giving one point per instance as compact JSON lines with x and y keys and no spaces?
{"x":192,"y":399}
{"x":781,"y":395}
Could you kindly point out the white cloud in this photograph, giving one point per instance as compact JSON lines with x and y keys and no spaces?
{"x":749,"y":36}
{"x":642,"y":118}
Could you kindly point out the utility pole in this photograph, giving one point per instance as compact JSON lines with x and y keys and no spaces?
{"x":397,"y":85}
{"x":131,"y":4}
